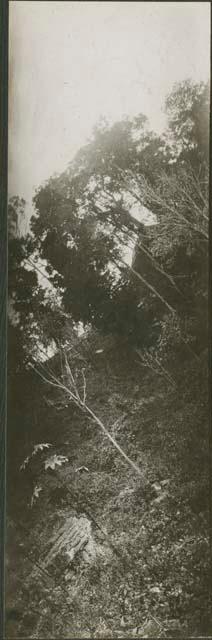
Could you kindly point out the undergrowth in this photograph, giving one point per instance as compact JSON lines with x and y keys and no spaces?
{"x":155,"y":580}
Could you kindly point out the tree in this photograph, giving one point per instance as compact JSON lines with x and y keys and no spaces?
{"x":84,"y":228}
{"x":92,"y":217}
{"x":34,"y":320}
{"x":16,"y":216}
{"x":188,"y":108}
{"x":22,"y":283}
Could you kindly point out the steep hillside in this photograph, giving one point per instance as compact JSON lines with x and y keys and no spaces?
{"x":108,"y":444}
{"x":151,"y":575}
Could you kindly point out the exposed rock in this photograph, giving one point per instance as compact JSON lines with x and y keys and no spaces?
{"x":150,"y":629}
{"x":74,"y":537}
{"x":160,"y":498}
{"x":156,"y":486}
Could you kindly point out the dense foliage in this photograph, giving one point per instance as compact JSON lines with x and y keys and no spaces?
{"x":113,"y":279}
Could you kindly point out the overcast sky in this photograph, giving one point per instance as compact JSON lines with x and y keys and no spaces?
{"x":73,"y":62}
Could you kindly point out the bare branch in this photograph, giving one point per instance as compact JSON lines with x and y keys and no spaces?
{"x":84,"y":407}
{"x":149,"y":361}
{"x":70,"y":376}
{"x":147,"y":284}
{"x":84,"y":386}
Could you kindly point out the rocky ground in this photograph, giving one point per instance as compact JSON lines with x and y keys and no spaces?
{"x":98,"y":554}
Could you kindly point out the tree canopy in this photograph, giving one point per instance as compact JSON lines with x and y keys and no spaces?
{"x":128,"y":198}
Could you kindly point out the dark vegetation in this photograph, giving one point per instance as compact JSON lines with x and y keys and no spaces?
{"x":137,"y":375}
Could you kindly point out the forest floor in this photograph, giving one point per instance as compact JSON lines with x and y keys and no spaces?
{"x":153,"y":579}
